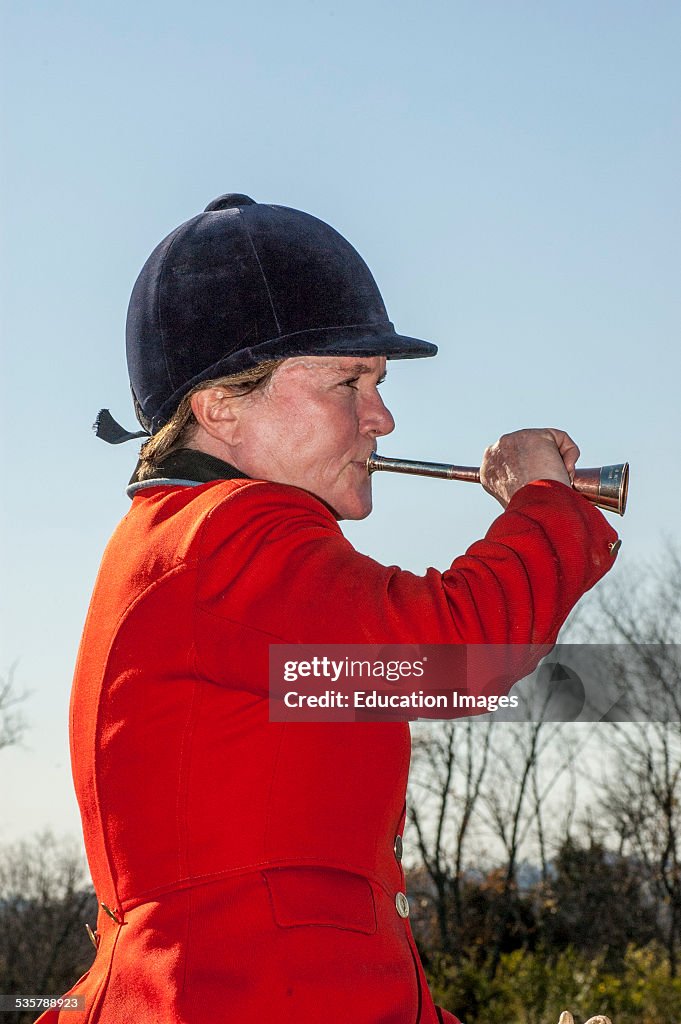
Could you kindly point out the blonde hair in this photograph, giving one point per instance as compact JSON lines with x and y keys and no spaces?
{"x":181,"y":427}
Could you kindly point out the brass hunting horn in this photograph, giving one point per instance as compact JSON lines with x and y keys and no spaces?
{"x":604,"y":486}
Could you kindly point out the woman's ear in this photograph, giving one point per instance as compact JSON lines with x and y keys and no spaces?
{"x":217,"y":412}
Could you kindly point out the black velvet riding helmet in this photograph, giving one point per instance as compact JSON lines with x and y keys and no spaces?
{"x":241,"y":283}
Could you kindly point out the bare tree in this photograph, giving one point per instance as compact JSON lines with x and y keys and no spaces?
{"x":487,"y":783}
{"x":45,"y":901}
{"x":641,"y":797}
{"x":484,"y":785}
{"x":12,"y":722}
{"x":450,"y":762}
{"x":529,"y":760}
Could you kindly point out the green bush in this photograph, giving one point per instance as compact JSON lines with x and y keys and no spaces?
{"x":533,"y":988}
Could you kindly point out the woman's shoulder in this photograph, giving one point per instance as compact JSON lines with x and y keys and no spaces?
{"x":206,"y":515}
{"x":262,"y":507}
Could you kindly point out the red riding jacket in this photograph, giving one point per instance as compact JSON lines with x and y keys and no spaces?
{"x":250,"y":869}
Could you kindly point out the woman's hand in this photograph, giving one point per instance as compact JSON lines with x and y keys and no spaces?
{"x":525,"y":455}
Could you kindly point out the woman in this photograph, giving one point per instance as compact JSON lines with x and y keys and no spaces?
{"x":251,"y":870}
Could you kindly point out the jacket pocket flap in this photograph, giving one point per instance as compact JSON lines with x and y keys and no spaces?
{"x":321,"y":896}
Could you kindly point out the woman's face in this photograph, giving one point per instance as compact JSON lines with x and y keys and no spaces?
{"x":314,"y":426}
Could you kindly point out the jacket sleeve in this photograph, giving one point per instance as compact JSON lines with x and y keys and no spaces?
{"x":275,"y":565}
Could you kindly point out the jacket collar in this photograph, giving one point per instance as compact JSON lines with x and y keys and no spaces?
{"x":185,"y":467}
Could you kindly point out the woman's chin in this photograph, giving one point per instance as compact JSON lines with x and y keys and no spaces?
{"x":359,"y":508}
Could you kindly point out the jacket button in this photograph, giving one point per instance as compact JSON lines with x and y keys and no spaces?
{"x":397,"y":847}
{"x":402,"y":904}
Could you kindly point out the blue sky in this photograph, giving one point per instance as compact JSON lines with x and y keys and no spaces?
{"x":509,"y":170}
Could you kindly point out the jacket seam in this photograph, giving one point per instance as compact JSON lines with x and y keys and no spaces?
{"x":176,"y":570}
{"x":262,"y":273}
{"x":193,"y":881}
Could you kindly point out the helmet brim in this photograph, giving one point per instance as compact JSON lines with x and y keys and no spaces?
{"x":354,"y":340}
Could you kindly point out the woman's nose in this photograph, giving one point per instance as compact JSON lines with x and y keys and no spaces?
{"x":378,"y":418}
